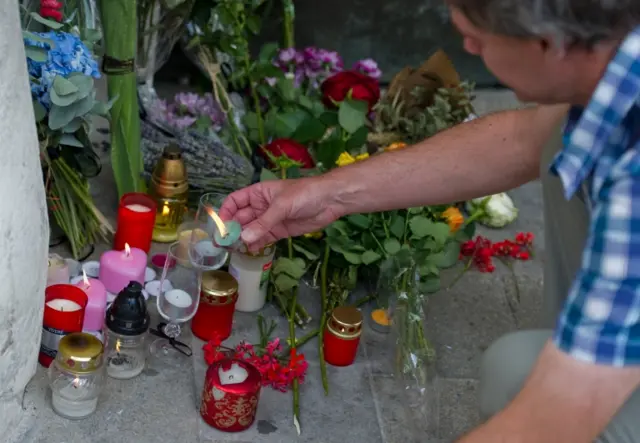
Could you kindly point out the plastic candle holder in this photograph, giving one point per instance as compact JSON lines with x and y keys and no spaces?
{"x":136,"y":217}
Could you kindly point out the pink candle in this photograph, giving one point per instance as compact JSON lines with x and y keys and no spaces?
{"x":97,"y":305}
{"x":119,"y":268}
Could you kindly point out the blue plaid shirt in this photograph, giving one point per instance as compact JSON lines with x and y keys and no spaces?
{"x":600,"y":322}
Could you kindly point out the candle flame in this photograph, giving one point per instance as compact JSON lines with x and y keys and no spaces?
{"x":165,"y":210}
{"x":218,"y":221}
{"x":85,"y":278}
{"x":76,"y":382}
{"x":118,"y":345}
{"x":127,"y":250}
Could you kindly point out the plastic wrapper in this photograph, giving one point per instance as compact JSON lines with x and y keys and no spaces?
{"x":211,"y":165}
{"x":160,"y":26}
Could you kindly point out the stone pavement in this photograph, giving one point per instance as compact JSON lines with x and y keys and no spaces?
{"x":365,"y":402}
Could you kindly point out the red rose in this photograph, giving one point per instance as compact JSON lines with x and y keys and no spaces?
{"x":292,"y":149}
{"x":362,"y":87}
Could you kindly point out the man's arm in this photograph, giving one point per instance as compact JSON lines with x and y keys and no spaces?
{"x":564,"y":400}
{"x":482,"y":157}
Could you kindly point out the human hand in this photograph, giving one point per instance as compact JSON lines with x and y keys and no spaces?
{"x":276,"y":209}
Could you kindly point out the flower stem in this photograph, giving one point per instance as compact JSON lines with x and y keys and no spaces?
{"x":323,"y":319}
{"x":256,"y":101}
{"x":459,"y":276}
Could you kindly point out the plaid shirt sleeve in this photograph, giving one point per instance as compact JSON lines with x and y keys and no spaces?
{"x":600,"y":322}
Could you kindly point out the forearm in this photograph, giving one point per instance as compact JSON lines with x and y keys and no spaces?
{"x":481,"y":157}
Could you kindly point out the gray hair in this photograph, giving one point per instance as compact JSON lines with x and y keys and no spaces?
{"x":567,"y":22}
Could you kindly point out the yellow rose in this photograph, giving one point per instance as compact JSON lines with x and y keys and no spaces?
{"x":454,"y":218}
{"x":345,"y":159}
{"x":361,"y":157}
{"x":395,"y":146}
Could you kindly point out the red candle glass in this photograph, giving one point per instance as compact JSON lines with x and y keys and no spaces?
{"x":64,"y":307}
{"x":136,"y":217}
{"x":341,"y":336}
{"x":218,"y":297}
{"x":230,"y":396}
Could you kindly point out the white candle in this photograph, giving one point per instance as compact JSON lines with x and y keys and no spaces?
{"x":178,"y":298}
{"x":138,"y":208}
{"x":234,"y":375}
{"x":62,"y":305}
{"x":71,"y":401}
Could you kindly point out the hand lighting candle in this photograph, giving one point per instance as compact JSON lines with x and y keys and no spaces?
{"x":97,"y":304}
{"x":63,"y":314}
{"x":226,"y":233}
{"x":119,"y":268}
{"x":136,"y":217}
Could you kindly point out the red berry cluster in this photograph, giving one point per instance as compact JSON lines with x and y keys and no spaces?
{"x":51,"y":9}
{"x":481,"y":251}
{"x":276,"y":371}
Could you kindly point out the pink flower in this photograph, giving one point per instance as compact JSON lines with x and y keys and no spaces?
{"x":368,"y":67}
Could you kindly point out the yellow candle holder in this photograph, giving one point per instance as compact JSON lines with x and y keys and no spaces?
{"x":169,"y":188}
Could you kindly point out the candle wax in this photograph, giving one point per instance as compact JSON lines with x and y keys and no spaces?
{"x":125,"y":365}
{"x":117,"y":269}
{"x":63,"y":305}
{"x":178,"y":298}
{"x":235,"y":375}
{"x":136,"y":207}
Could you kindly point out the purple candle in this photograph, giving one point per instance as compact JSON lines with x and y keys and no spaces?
{"x":119,"y":268}
{"x":96,"y":306}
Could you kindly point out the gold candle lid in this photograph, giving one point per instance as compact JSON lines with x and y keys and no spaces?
{"x":80,"y":353}
{"x":265,"y":251}
{"x":218,"y":287}
{"x":345,"y":322}
{"x":169,"y":178}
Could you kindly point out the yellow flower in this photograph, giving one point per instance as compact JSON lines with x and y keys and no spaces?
{"x":361,"y":157}
{"x":345,"y":159}
{"x":454,"y":218}
{"x":314,"y":235}
{"x":395,"y":146}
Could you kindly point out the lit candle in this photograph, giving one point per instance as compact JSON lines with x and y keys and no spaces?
{"x":136,"y":207}
{"x":62,"y":305}
{"x":97,"y":304}
{"x":74,"y":400}
{"x":234,"y":375}
{"x":119,"y":268}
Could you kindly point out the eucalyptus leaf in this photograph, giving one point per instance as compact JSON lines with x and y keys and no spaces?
{"x":36,"y":54}
{"x":62,"y":100}
{"x":284,"y":282}
{"x":352,"y":114}
{"x":102,"y":109}
{"x":84,"y":83}
{"x":48,"y":23}
{"x":39,"y":111}
{"x":63,"y":86}
{"x":369,"y":257}
{"x":392,"y":246}
{"x":37,"y":38}
{"x":84,"y":106}
{"x":60,"y":116}
{"x":73,"y":126}
{"x":70,"y":140}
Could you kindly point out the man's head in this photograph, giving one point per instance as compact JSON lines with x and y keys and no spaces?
{"x":548,"y":51}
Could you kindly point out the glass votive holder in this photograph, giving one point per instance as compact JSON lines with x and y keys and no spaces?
{"x":126,"y":354}
{"x":76,"y":376}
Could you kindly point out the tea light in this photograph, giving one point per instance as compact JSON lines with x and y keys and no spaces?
{"x":149,"y":274}
{"x":178,"y":298}
{"x":138,"y":208}
{"x":154,"y":289}
{"x":119,"y":268}
{"x":174,"y":304}
{"x":226,"y":232}
{"x":97,"y":304}
{"x":63,"y":305}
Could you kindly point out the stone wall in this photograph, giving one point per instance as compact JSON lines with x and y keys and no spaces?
{"x":24,"y":230}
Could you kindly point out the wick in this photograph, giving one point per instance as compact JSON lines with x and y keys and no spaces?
{"x":218,"y":221}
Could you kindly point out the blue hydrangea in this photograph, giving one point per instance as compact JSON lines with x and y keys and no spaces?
{"x":67,"y":54}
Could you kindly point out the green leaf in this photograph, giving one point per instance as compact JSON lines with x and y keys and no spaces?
{"x":37,"y":38}
{"x":329,"y":118}
{"x":91,"y":35}
{"x":396,"y":227}
{"x":369,"y":257}
{"x":304,"y":251}
{"x":287,"y":123}
{"x":285,"y":283}
{"x":36,"y":54}
{"x":266,"y":175}
{"x":429,"y":285}
{"x":310,"y":130}
{"x":250,"y":120}
{"x":48,"y":23}
{"x":352,"y":114}
{"x":448,"y":256}
{"x":329,"y":150}
{"x":357,"y":139}
{"x":60,"y":116}
{"x":253,"y":24}
{"x":102,"y":109}
{"x":70,"y":140}
{"x":62,"y":100}
{"x":268,"y":52}
{"x":352,"y":257}
{"x":39,"y":111}
{"x":84,"y":106}
{"x":294,"y":268}
{"x":422,"y":227}
{"x":392,"y":246}
{"x":73,"y":126}
{"x":428,"y":268}
{"x":63,"y":87}
{"x":360,"y":220}
{"x":84,"y":83}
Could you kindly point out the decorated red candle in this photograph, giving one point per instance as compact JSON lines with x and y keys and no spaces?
{"x":230,"y":395}
{"x":217,"y":303}
{"x":119,"y":268}
{"x":136,"y":217}
{"x":64,"y":307}
{"x":342,"y":335}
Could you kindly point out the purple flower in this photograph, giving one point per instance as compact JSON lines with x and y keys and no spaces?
{"x":368,"y":67}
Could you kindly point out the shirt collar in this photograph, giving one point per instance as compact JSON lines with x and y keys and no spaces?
{"x":615,"y":95}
